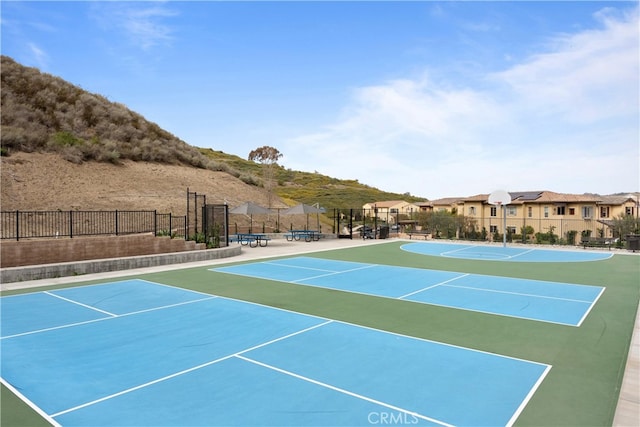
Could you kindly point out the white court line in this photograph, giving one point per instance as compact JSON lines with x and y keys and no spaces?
{"x":29,"y":403}
{"x":593,"y":304}
{"x":185,"y":371}
{"x":433,"y":286}
{"x":328,"y":272}
{"x":114,"y":316}
{"x":300,"y":267}
{"x":528,"y":397}
{"x":347,"y":392}
{"x":79,"y":303}
{"x":458,"y":307}
{"x":521,"y":253}
{"x":456,"y":250}
{"x":284,"y":264}
{"x":335,"y":273}
{"x":518,"y":293}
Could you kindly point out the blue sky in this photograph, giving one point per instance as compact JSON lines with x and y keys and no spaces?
{"x":436,"y":99}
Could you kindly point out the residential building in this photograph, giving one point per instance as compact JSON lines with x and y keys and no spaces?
{"x":530,"y":212}
{"x":546,"y":212}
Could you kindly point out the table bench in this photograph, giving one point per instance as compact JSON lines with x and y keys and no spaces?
{"x":596,"y":242}
{"x":308,"y":235}
{"x":250,"y":239}
{"x":424,"y":234}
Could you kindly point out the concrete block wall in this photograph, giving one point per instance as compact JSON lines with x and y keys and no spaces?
{"x":50,"y":251}
{"x":48,"y":271}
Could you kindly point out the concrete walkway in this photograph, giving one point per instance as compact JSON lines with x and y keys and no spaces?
{"x":628,"y":408}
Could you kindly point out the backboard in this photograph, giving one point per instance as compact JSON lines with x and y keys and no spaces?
{"x":499,"y":197}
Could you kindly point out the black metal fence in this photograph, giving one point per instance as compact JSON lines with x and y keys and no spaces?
{"x":215,"y":225}
{"x":18,"y":225}
{"x":446,"y":225}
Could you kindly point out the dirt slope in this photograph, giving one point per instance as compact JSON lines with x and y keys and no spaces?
{"x":36,"y":181}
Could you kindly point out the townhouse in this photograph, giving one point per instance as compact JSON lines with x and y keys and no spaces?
{"x":532,"y":212}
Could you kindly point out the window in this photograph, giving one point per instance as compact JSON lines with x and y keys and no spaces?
{"x":546,"y":211}
{"x":530,"y":212}
{"x":493,"y":229}
{"x":511,"y":229}
{"x":587,"y":212}
{"x":560,"y":210}
{"x":572,"y":211}
{"x":628,"y":210}
{"x":472,"y":210}
{"x":604,"y":211}
{"x":511,"y":210}
{"x":494,"y":211}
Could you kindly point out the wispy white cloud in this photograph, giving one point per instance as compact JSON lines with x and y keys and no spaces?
{"x":40,"y":57}
{"x":143,"y":24}
{"x":545,"y":123}
{"x":587,"y":76}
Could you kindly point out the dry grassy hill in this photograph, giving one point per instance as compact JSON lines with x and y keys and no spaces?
{"x":65,"y":148}
{"x":45,"y":181}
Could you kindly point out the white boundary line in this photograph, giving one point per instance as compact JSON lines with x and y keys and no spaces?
{"x":442,"y":284}
{"x":434,"y":286}
{"x":498,"y":291}
{"x":114,"y":316}
{"x":327,"y":321}
{"x":528,"y":397}
{"x":586,"y":313}
{"x":79,"y":303}
{"x":508,"y":258}
{"x":29,"y":403}
{"x":335,"y":273}
{"x":185,"y":371}
{"x":343,"y":391}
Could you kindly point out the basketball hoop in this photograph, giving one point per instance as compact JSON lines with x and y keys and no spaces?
{"x":501,"y":198}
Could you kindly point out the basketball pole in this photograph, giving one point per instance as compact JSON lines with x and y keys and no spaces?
{"x":501,"y":198}
{"x":504,"y":226}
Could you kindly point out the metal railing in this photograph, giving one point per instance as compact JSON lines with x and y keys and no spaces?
{"x":18,"y":225}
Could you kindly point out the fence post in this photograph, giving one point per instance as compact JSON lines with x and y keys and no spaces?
{"x":17,"y":225}
{"x":116,"y":212}
{"x":186,"y":218}
{"x":155,"y":223}
{"x":71,"y":224}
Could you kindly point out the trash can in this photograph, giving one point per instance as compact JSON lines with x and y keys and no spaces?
{"x":384,"y":232}
{"x":633,"y":242}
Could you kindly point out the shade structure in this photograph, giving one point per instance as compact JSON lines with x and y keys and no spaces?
{"x":303,"y":209}
{"x":250,"y":209}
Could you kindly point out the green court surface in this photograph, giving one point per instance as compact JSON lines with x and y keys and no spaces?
{"x":587,"y":362}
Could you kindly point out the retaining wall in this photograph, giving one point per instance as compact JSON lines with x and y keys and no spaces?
{"x":48,"y":271}
{"x":44,"y":259}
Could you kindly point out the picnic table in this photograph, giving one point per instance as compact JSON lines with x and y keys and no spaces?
{"x":425,"y":234}
{"x":307,"y":235}
{"x":251,"y":239}
{"x":597,"y":242}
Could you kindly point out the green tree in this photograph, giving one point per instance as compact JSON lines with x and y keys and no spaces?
{"x":624,"y":225}
{"x":269,"y":157}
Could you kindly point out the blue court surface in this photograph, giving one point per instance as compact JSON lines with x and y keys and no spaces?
{"x":501,"y":253}
{"x":554,"y":302}
{"x":140,"y":353}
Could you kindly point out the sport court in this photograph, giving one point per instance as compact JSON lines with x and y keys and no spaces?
{"x":136,"y":352}
{"x":502,"y":253}
{"x":562,"y":303}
